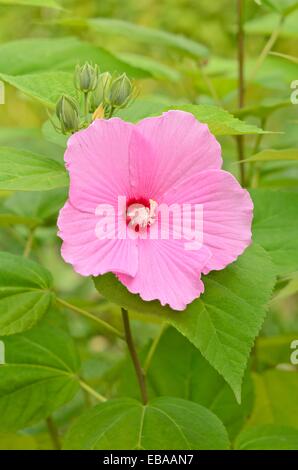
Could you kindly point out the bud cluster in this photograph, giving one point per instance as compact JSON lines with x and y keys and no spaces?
{"x":98,"y":96}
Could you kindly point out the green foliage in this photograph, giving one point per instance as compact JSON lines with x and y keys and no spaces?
{"x":34,"y":3}
{"x":165,"y":423}
{"x":27,"y":56}
{"x":25,"y":293}
{"x":189,"y":376}
{"x":26,"y":171}
{"x":268,"y":438}
{"x":223,"y":322}
{"x":275,"y":227}
{"x":38,"y":377}
{"x":218,"y":371}
{"x":152,"y":37}
{"x":220,"y":121}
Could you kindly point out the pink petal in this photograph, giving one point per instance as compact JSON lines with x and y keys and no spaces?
{"x":179,"y":147}
{"x":227,"y":214}
{"x":89,"y":255}
{"x":97,"y":159}
{"x":168,"y":273}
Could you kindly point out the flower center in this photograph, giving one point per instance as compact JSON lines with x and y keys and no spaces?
{"x":141,"y":214}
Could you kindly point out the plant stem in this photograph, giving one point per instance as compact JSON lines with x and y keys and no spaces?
{"x":91,"y":391}
{"x":90,"y":315}
{"x":268,"y":46}
{"x":153,"y":348}
{"x":29,"y":244}
{"x":241,"y":85}
{"x":139,"y":372}
{"x":53,"y":432}
{"x":86,"y":110}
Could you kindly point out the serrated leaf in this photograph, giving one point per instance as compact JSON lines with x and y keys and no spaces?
{"x":164,"y":424}
{"x":137,"y":33}
{"x":223,"y":322}
{"x":220,"y":121}
{"x":29,"y":56}
{"x":38,"y":377}
{"x":25,"y":293}
{"x":189,"y":376}
{"x":268,"y":438}
{"x":275,"y":226}
{"x":26,"y":171}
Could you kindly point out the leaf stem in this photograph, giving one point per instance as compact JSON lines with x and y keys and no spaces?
{"x":153,"y":347}
{"x":91,"y":391}
{"x":53,"y":432}
{"x":29,"y":244}
{"x":241,"y":84}
{"x":131,"y":347}
{"x":90,"y":315}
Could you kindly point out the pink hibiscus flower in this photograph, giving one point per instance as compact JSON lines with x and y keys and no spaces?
{"x":170,"y":159}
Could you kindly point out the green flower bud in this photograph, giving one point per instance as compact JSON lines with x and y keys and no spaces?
{"x":86,"y":77}
{"x":67,"y":111}
{"x":121,"y":91}
{"x":99,"y":94}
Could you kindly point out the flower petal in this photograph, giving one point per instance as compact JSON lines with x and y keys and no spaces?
{"x":89,"y":255}
{"x":167,"y":272}
{"x":97,"y":159}
{"x":227,"y":214}
{"x":180,"y":146}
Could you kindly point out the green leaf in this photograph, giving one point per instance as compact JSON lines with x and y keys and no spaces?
{"x":275,"y":226}
{"x":38,"y":377}
{"x":164,"y":424}
{"x":268,"y":438}
{"x":264,"y":25}
{"x":223,"y":322}
{"x":26,"y":171}
{"x":152,"y":37}
{"x":33,"y":3}
{"x":156,"y":69}
{"x":275,"y":403}
{"x":46,"y":87}
{"x":220,"y":121}
{"x":41,"y":208}
{"x":28,"y":56}
{"x":271,"y":155}
{"x":25,"y":293}
{"x":189,"y":376}
{"x":262,"y":110}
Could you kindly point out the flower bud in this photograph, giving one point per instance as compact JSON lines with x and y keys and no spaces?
{"x":67,"y":112}
{"x":86,"y":77}
{"x":120,"y":91}
{"x":98,"y":96}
